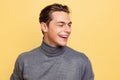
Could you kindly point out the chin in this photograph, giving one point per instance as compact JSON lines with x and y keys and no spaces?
{"x":63,"y":44}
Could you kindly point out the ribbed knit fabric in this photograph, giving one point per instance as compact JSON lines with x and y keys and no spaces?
{"x":52,"y":63}
{"x":52,"y":51}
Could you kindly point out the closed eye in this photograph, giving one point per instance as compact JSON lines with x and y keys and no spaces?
{"x":61,"y":24}
{"x":70,"y":24}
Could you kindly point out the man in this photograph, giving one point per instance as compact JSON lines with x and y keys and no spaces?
{"x":53,"y":60}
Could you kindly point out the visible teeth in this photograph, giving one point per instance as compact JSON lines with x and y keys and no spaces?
{"x":64,"y":36}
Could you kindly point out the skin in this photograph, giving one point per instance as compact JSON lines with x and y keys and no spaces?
{"x":58,"y":30}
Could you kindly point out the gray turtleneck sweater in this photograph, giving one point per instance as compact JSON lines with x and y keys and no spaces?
{"x":52,"y":63}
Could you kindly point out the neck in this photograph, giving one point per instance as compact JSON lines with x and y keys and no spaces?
{"x":52,"y":50}
{"x":46,"y":40}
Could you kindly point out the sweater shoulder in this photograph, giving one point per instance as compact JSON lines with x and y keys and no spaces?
{"x":77,"y":55}
{"x":29,"y":54}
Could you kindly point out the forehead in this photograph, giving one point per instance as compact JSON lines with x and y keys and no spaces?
{"x":60,"y":16}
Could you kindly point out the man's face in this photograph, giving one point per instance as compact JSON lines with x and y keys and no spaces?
{"x":59,"y":29}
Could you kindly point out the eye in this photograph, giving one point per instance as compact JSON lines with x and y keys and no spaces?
{"x":69,"y":25}
{"x":60,"y":25}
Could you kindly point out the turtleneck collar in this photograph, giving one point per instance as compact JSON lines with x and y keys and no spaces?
{"x":51,"y":51}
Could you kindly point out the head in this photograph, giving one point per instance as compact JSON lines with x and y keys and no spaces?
{"x":55,"y":24}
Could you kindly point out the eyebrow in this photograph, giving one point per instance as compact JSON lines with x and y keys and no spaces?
{"x":64,"y":22}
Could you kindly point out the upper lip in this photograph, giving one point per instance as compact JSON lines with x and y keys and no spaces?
{"x":64,"y":36}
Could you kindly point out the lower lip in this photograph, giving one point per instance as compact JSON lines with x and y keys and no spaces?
{"x":64,"y":39}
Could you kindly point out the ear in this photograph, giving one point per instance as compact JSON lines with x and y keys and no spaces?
{"x":44,"y":27}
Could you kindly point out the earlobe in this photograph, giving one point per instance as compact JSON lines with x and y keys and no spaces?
{"x":44,"y":27}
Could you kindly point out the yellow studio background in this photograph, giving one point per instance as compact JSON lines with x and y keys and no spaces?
{"x":95,"y":31}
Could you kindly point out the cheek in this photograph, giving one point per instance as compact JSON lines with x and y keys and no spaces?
{"x":52,"y":33}
{"x":55,"y":30}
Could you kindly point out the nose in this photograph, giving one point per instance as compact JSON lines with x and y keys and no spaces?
{"x":67,"y":29}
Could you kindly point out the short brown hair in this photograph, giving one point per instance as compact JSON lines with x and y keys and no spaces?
{"x":45,"y":15}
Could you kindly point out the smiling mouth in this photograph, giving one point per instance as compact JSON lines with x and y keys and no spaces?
{"x":64,"y":37}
